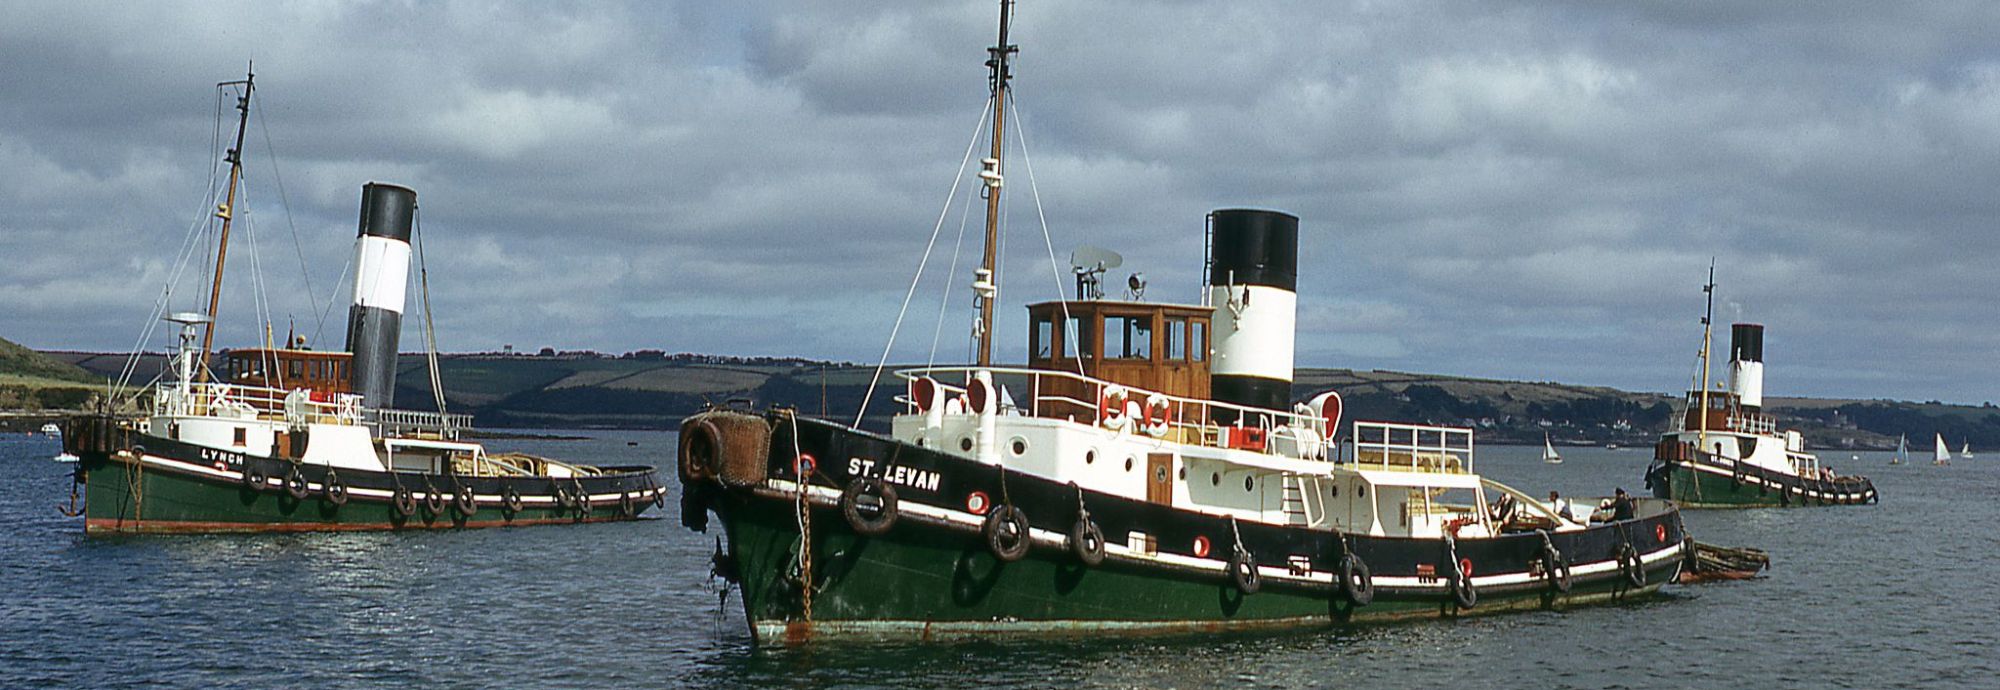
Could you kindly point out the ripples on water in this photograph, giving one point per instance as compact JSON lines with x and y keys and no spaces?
{"x":1892,"y":595}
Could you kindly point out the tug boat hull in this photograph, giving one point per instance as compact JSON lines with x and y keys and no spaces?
{"x":934,"y":574}
{"x":1723,"y":483}
{"x":154,"y":485}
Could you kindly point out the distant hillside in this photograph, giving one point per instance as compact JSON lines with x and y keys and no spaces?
{"x":651,"y":389}
{"x":32,"y":381}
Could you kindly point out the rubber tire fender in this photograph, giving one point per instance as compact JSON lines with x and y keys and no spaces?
{"x":335,"y":490}
{"x":463,"y":502}
{"x":1086,"y":541}
{"x":433,"y":501}
{"x":1555,"y":570}
{"x":295,"y":484}
{"x":1243,"y":570}
{"x":1006,"y":530}
{"x":1356,"y":581}
{"x":1631,"y":565}
{"x":1462,"y":591}
{"x":885,"y":506}
{"x":404,"y":502}
{"x":700,"y":451}
{"x":510,"y":499}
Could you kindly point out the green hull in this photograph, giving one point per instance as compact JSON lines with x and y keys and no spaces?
{"x":927,"y":581}
{"x":1696,"y":489}
{"x":172,"y":502}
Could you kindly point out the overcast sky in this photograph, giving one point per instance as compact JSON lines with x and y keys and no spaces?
{"x":1519,"y":190}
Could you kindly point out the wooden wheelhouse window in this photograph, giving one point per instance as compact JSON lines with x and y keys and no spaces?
{"x":1128,"y":337}
{"x":1041,"y":338}
{"x":1198,"y":341}
{"x":1080,"y":332}
{"x":1176,"y":334}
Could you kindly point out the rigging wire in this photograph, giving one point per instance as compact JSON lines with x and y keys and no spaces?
{"x":298,"y":246}
{"x":191,"y":243}
{"x":937,"y":333}
{"x":1055,"y":269}
{"x":943,"y":213}
{"x":430,"y":330}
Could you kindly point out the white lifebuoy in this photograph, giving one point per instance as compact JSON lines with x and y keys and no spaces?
{"x":1111,"y":408}
{"x":1159,"y":412}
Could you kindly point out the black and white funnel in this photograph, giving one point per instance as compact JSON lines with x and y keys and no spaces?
{"x":1253,"y":282}
{"x":1746,"y":364}
{"x":382,"y":276}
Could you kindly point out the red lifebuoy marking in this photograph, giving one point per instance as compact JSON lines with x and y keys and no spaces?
{"x":1165,"y":410}
{"x":1201,"y":547}
{"x":977,"y":503}
{"x":804,"y":465}
{"x":1660,"y":533}
{"x":1465,"y":567}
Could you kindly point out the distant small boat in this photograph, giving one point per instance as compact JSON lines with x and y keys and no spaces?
{"x":1611,"y":446}
{"x":1902,"y":451}
{"x":1549,"y":451}
{"x":50,"y":429}
{"x":1965,"y":450}
{"x":66,"y":456}
{"x":1942,"y":457}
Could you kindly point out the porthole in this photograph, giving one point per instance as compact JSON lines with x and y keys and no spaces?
{"x":1215,"y":479}
{"x":965,"y":444}
{"x":1020,"y":446}
{"x":1336,"y":491}
{"x":1361,"y":491}
{"x":1249,"y":483}
{"x":1089,"y":456}
{"x":923,"y":442}
{"x":1128,"y":464}
{"x":1183,"y":474}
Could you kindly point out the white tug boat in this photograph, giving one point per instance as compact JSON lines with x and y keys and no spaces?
{"x":291,"y":439}
{"x":1723,"y":450}
{"x":1146,"y":469}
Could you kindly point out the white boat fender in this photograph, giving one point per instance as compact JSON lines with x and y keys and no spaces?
{"x":869,"y":504}
{"x":1243,"y":564}
{"x":1158,"y":415}
{"x":335,"y":490}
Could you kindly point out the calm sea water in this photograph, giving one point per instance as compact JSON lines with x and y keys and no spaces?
{"x":1901,"y":594}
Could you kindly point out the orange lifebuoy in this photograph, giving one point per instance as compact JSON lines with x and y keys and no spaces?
{"x":803,"y":467}
{"x":977,"y":503}
{"x":1200,"y":547}
{"x":1660,"y":533}
{"x":1159,"y":412}
{"x":1465,"y":568}
{"x":1111,"y":407}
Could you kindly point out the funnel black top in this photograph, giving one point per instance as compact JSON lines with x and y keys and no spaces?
{"x":1254,"y":247}
{"x":386,"y":210}
{"x":1746,"y":342}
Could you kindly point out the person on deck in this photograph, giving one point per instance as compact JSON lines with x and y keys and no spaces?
{"x":1621,"y":505}
{"x":1559,"y":505}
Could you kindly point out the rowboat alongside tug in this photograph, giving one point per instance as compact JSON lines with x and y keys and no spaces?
{"x":292,"y":439}
{"x":1135,"y":475}
{"x":1724,"y":452}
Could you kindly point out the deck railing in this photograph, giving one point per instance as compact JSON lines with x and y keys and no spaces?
{"x":1411,"y":447}
{"x":299,"y":407}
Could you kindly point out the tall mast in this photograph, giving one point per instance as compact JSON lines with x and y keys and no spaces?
{"x":983,"y":285}
{"x":1707,"y":330}
{"x":227,"y":212}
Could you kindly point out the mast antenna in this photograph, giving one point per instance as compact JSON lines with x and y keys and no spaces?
{"x":984,"y":287}
{"x":227,"y":211}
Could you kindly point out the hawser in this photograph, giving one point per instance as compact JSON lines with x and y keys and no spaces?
{"x":292,"y":439}
{"x":1724,"y":451}
{"x":1146,"y":469}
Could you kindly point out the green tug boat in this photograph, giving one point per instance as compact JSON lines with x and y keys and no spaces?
{"x":1723,"y":451}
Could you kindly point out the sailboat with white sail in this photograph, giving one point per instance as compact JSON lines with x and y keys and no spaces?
{"x":1549,"y":451}
{"x":1965,"y":450}
{"x":1942,"y":456}
{"x":1902,"y":455}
